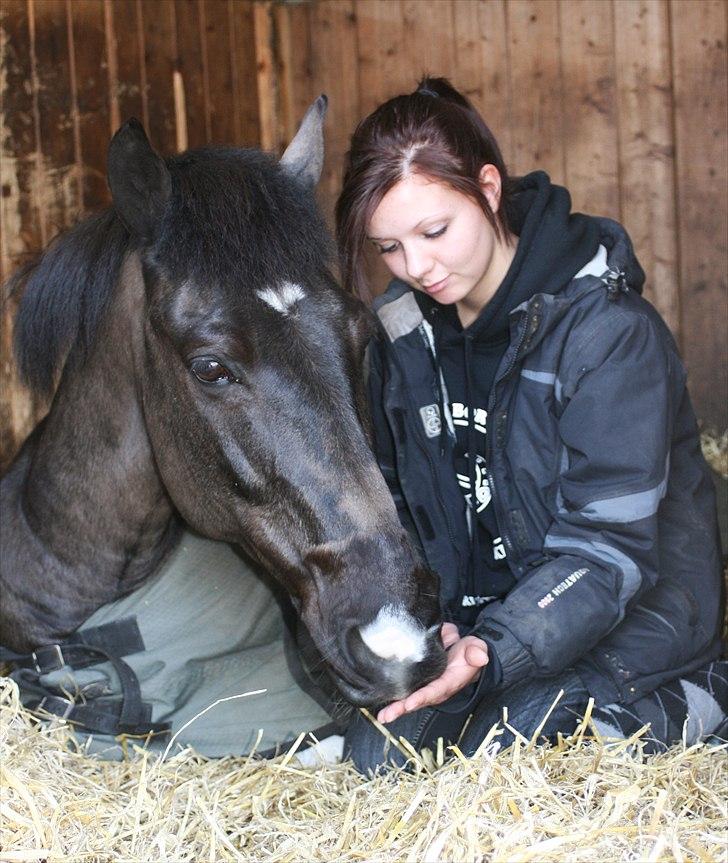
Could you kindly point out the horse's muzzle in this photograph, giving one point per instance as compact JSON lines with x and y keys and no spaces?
{"x":380,"y":663}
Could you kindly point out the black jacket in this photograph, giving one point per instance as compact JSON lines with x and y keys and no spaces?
{"x":600,"y":490}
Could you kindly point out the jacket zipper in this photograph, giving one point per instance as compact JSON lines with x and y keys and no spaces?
{"x":433,"y":471}
{"x":489,"y":445}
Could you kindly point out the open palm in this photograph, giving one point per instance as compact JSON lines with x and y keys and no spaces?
{"x":465,"y":659}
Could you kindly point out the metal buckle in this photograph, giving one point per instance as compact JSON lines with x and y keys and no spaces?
{"x":58,"y":658}
{"x":67,"y":701}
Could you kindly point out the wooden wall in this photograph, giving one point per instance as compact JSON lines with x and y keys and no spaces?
{"x":624,"y":101}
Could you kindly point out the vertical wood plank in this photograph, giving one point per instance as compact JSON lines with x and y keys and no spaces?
{"x":245,"y":91}
{"x":59,"y":177}
{"x":112,"y":46}
{"x":536,"y":82}
{"x":646,"y":148}
{"x":92,"y":98}
{"x":294,"y":55}
{"x":335,"y":72}
{"x":698,"y":33}
{"x":380,"y":40}
{"x":129,"y":57}
{"x":21,"y":228}
{"x":266,"y":75}
{"x":219,"y":69}
{"x":428,"y":47}
{"x":481,"y":64}
{"x":589,"y":113}
{"x":160,"y":59}
{"x":19,"y":217}
{"x":192,"y":65}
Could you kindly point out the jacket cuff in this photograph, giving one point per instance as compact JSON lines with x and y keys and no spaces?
{"x":514,"y":659}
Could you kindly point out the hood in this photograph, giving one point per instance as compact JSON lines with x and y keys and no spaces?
{"x":553,"y":245}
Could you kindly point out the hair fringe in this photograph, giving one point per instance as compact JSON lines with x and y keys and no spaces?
{"x":236,"y":219}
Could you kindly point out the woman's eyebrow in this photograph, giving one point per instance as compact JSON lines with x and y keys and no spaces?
{"x":432,"y":218}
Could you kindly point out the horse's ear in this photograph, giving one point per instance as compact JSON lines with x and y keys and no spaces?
{"x":139,"y":180}
{"x":304,"y":156}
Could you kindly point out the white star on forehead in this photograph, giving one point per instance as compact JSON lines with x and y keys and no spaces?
{"x":283,"y":297}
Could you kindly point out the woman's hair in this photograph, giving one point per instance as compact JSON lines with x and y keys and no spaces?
{"x":434,"y":131}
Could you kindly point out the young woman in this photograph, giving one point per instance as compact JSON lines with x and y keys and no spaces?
{"x":531,"y":418}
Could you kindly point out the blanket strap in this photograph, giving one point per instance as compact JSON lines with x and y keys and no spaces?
{"x":105,"y":643}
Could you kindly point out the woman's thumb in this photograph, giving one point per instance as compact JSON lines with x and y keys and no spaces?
{"x":476,"y":655}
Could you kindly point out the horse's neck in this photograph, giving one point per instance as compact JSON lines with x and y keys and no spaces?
{"x":91,"y":489}
{"x":88,"y":518}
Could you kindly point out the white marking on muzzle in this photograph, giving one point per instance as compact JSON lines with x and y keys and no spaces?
{"x":282,"y":298}
{"x":395,"y":634}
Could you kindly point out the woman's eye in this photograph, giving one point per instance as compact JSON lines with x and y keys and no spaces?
{"x":438,"y":233}
{"x":387,"y":250}
{"x":210,"y":371}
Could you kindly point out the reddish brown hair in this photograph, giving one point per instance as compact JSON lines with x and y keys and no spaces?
{"x":433,"y":131}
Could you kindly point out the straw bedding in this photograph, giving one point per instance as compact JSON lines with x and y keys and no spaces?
{"x":585,"y":800}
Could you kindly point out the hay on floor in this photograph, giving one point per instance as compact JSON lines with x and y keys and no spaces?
{"x":582,"y":800}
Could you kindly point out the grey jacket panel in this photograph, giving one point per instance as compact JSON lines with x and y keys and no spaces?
{"x":601,"y":492}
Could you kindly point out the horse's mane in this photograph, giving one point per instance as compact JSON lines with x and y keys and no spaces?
{"x":235,"y":220}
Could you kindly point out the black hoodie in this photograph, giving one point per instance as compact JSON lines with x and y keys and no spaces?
{"x":553,"y":245}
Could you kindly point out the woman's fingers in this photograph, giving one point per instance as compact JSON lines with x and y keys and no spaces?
{"x":391,"y":712}
{"x":464,"y":661}
{"x":449,"y":634}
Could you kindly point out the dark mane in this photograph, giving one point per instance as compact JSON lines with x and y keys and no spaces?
{"x":66,"y":292}
{"x":235,"y":221}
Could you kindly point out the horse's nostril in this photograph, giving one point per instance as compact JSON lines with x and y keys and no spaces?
{"x":355,"y":649}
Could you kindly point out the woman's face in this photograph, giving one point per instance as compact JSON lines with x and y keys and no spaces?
{"x":439,"y":241}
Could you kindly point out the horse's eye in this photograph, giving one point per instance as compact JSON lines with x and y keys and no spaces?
{"x":210,"y":371}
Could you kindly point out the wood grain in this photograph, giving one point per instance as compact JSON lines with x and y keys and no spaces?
{"x":701,"y":137}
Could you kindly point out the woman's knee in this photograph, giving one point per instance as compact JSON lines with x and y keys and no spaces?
{"x":368,"y":748}
{"x":372,"y":751}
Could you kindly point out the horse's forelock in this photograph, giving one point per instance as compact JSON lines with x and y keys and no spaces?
{"x":236,"y":221}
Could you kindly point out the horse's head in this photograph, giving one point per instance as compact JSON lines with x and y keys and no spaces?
{"x":251,"y":383}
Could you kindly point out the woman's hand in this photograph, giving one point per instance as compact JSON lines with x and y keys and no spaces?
{"x":465,"y":659}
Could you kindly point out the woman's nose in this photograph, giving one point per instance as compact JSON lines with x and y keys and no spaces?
{"x":418,"y":265}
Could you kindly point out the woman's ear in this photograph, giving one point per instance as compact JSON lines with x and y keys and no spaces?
{"x":490,"y":183}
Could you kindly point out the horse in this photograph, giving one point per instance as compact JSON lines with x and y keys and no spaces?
{"x":208,"y":371}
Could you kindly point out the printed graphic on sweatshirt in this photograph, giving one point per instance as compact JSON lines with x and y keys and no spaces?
{"x":460,"y":417}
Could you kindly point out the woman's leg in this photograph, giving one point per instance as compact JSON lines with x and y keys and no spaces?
{"x":696,"y":706}
{"x":370,"y":750}
{"x":700,"y":700}
{"x":527,"y":705}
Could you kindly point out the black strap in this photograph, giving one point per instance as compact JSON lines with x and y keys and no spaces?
{"x":98,"y":717}
{"x":81,"y":649}
{"x":106,"y":643}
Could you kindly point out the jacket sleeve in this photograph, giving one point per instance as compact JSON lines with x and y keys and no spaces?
{"x":600,"y":550}
{"x":384,"y":448}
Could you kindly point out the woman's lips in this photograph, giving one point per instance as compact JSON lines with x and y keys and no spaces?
{"x":436,"y":287}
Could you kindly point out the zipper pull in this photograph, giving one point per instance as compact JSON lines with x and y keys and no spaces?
{"x":616,"y":282}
